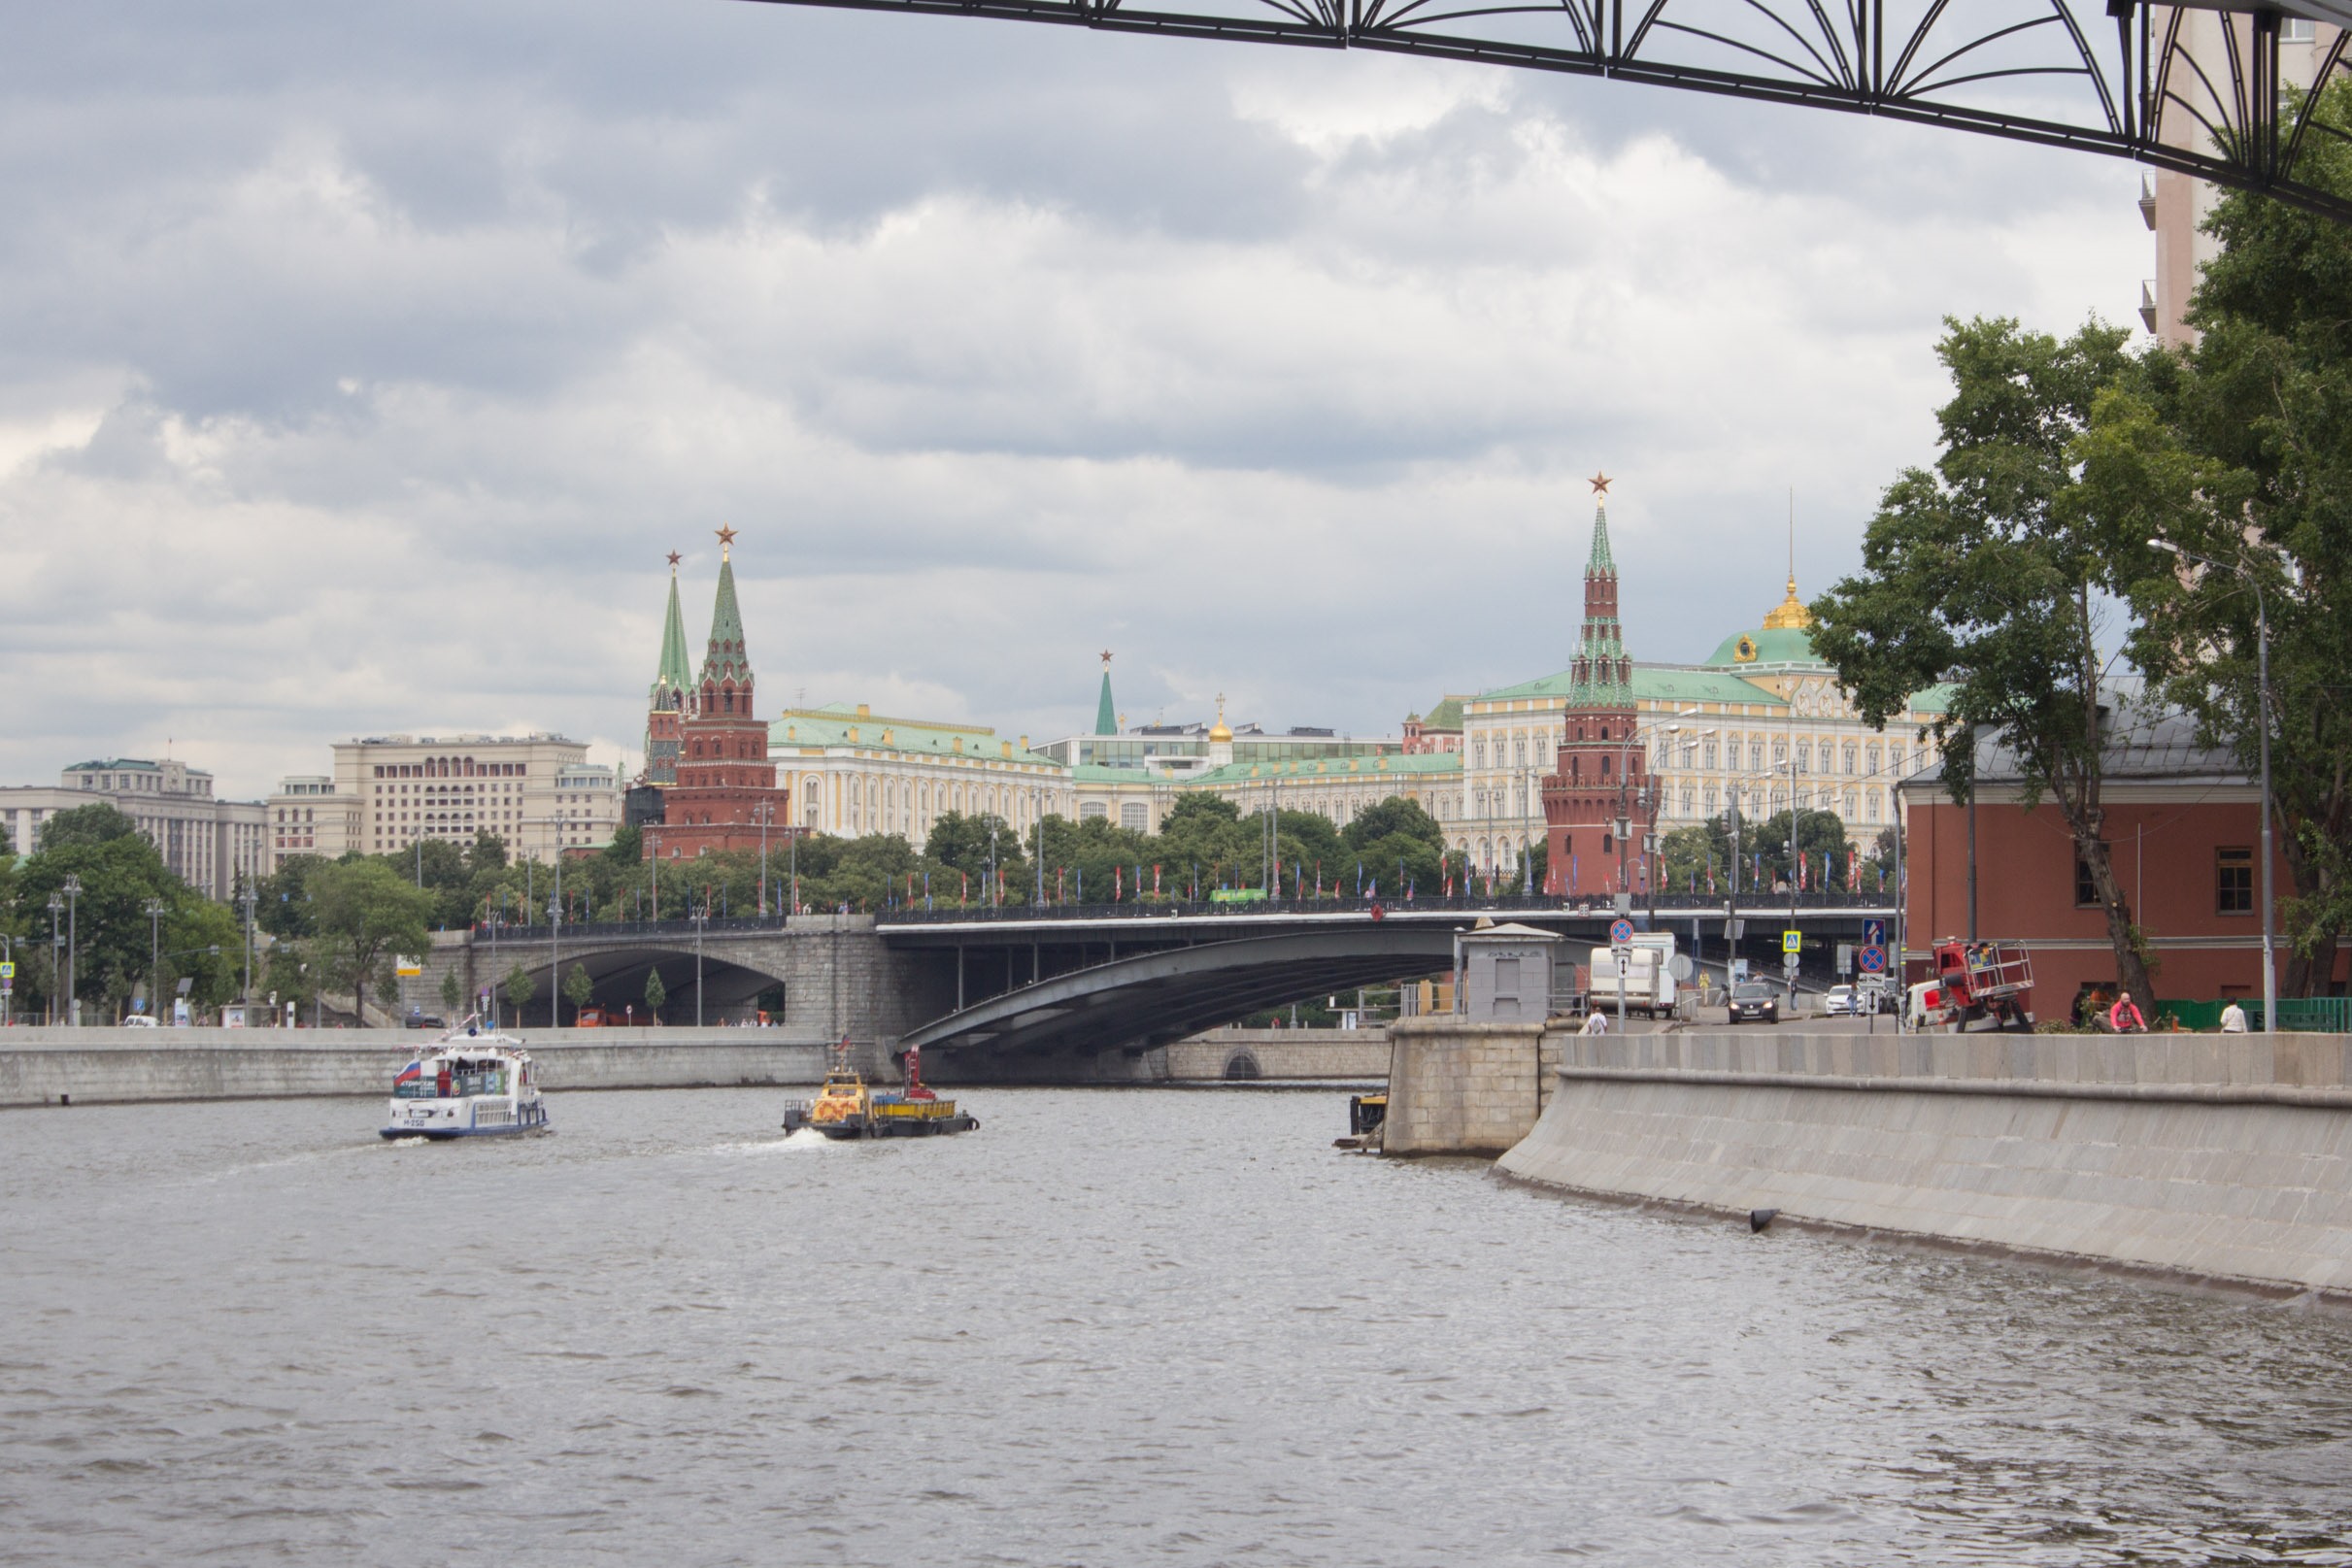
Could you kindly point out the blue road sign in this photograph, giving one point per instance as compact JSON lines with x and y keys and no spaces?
{"x":1621,"y":933}
{"x":1873,"y":933}
{"x":1873,"y":960}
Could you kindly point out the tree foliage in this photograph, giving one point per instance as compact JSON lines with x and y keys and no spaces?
{"x":1989,"y":573}
{"x":2239,"y":449}
{"x":362,"y":915}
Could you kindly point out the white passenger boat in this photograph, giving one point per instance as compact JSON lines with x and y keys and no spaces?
{"x":471,"y":1084}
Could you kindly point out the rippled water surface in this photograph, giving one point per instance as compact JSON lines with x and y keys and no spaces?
{"x":1108,"y":1328}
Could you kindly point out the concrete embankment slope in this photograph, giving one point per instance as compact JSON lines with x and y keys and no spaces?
{"x":2222,"y":1159}
{"x":95,"y":1066}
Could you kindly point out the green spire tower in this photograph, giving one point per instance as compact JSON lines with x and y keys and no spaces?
{"x":674,"y":676}
{"x":666,"y":699}
{"x":723,"y":658}
{"x":1106,"y":712}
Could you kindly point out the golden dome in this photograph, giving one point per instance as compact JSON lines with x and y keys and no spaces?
{"x":1792,"y":612}
{"x":1218,"y":731}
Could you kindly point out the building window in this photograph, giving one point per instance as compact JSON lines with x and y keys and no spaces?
{"x":2086,"y":887}
{"x":2234,"y":881}
{"x":1092,"y":810}
{"x":1132,"y":815}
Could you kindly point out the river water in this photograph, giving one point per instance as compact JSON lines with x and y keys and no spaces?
{"x":1109,"y":1328}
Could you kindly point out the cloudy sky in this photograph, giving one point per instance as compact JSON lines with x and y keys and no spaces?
{"x":359,"y":365}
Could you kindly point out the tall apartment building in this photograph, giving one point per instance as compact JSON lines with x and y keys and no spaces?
{"x":206,"y":841}
{"x":538,"y":793}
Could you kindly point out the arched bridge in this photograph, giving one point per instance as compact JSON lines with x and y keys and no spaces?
{"x":1060,"y":982}
{"x":2192,"y":89}
{"x":984,"y":988}
{"x":1159,"y":996}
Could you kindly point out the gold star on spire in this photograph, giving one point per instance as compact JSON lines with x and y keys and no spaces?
{"x":727,"y":540}
{"x":1600,"y":483}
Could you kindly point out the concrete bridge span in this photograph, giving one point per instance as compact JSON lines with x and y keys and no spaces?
{"x":1161,"y":995}
{"x":997,"y":991}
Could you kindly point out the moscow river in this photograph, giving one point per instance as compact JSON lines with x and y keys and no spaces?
{"x":1108,"y":1328}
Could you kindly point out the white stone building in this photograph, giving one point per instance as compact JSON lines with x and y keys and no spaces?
{"x":206,"y":841}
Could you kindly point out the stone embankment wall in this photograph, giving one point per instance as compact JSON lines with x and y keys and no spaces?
{"x":1459,"y":1087}
{"x":96,"y":1066}
{"x":2208,"y":1159}
{"x":1240,"y":1055}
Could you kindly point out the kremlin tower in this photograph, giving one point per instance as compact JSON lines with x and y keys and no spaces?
{"x":1600,"y":778}
{"x":724,"y":795}
{"x":667,"y":701}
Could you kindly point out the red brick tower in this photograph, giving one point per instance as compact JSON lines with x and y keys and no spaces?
{"x":726,"y":785}
{"x":1600,"y":777}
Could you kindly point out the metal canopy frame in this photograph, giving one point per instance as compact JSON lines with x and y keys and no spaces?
{"x":2127,"y":83}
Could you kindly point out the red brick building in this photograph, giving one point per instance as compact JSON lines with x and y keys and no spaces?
{"x":2183,"y":824}
{"x":1599,"y":775}
{"x":725,"y":797}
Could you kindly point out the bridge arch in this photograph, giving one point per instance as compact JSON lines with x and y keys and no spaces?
{"x":1156,"y":998}
{"x":2194,"y":90}
{"x":731,"y":987}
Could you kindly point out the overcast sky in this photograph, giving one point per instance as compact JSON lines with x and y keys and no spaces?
{"x":359,"y":365}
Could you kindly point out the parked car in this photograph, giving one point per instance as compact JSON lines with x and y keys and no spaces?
{"x":1841,"y":1002}
{"x":1754,"y":999}
{"x":139,"y":1020}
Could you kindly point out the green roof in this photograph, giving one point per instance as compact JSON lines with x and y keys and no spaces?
{"x":674,"y":673}
{"x":1659,"y":682}
{"x":830,"y":726}
{"x":724,"y":657}
{"x":1600,"y":562}
{"x":1776,"y":646}
{"x":1447,"y":714}
{"x":1106,"y":712}
{"x":1397,"y":766}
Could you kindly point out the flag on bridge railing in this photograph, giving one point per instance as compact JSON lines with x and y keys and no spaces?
{"x":1119,"y":883}
{"x":1154,"y":879}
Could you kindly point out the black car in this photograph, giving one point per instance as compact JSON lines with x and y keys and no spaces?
{"x":1754,"y":999}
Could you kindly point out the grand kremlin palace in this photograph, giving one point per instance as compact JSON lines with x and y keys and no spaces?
{"x":1761,"y":695}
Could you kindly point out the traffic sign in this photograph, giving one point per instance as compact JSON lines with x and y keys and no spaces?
{"x":1621,"y":933}
{"x":8,"y":971}
{"x":1791,"y":942}
{"x":1873,"y":960}
{"x":1788,"y":961}
{"x":1871,"y":985}
{"x":1873,"y":933}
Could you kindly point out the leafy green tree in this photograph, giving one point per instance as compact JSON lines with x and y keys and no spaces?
{"x":655,"y":994}
{"x":113,"y":943}
{"x":577,"y":988}
{"x":452,"y":995}
{"x":90,"y":826}
{"x":282,"y":906}
{"x":2239,"y":449}
{"x":364,"y":914}
{"x":519,"y":988}
{"x":1390,"y":817}
{"x":1989,"y":573}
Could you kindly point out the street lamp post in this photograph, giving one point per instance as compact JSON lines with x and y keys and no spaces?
{"x":767,"y":814}
{"x":252,"y":895}
{"x":73,"y":952}
{"x":154,"y":958}
{"x":2261,"y":666}
{"x":700,"y":914}
{"x":56,"y":946}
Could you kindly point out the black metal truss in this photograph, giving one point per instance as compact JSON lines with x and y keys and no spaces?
{"x":2192,"y":91}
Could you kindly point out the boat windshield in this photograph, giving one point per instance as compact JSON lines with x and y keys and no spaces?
{"x":469,"y":1078}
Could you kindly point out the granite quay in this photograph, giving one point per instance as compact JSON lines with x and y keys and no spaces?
{"x":2220,"y":1160}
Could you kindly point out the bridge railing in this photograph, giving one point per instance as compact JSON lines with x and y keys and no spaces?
{"x":1138,"y":908}
{"x":1144,"y":909}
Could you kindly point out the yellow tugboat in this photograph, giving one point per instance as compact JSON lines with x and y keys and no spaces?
{"x":846,"y":1106}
